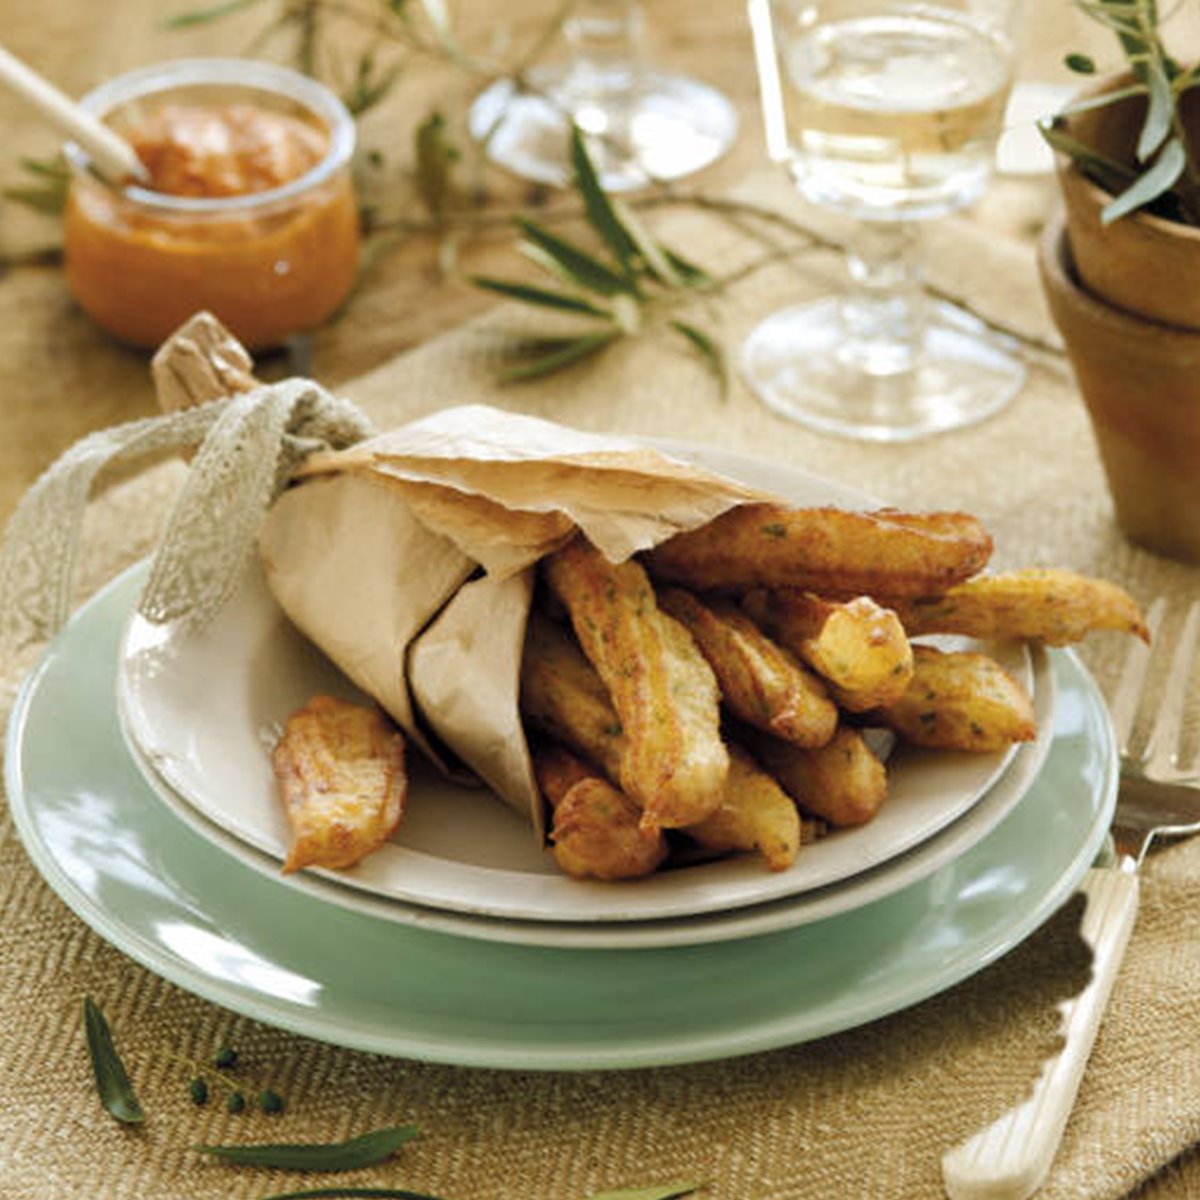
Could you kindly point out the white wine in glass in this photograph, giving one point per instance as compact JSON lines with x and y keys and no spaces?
{"x":887,"y":111}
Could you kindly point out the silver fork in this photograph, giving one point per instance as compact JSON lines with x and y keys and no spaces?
{"x":1159,"y":797}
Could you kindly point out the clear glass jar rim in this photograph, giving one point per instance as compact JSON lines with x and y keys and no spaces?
{"x":242,"y":72}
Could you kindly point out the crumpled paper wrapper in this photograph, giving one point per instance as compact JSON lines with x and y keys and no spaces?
{"x":410,"y":559}
{"x":201,"y":361}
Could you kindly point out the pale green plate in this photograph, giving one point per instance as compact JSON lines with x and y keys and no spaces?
{"x":193,"y":914}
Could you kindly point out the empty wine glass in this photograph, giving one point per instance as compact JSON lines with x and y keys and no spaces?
{"x":887,"y":111}
{"x":641,"y":124}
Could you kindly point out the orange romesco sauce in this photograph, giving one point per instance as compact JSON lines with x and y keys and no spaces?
{"x":267,"y":272}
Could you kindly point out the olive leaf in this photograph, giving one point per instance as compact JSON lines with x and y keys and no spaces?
{"x":531,"y":294}
{"x":112,"y":1081}
{"x":41,"y":200}
{"x":351,"y":1193}
{"x":55,"y":168}
{"x":436,"y":156}
{"x":1110,"y":174}
{"x":1159,"y":111}
{"x":692,"y":275}
{"x":363,"y":1151}
{"x":49,"y":193}
{"x":709,"y":349}
{"x":536,"y":255}
{"x":202,"y":16}
{"x":546,"y":355}
{"x":369,"y":88}
{"x":599,"y":208}
{"x":661,"y":1191}
{"x":1101,"y":101}
{"x":621,"y":230}
{"x":1187,"y":78}
{"x":650,"y":254}
{"x":1167,"y":168}
{"x":584,"y":268}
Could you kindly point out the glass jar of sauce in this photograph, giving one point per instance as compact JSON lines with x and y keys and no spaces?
{"x":249,"y":213}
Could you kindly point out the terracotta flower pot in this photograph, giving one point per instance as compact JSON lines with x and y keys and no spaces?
{"x":1141,"y":262}
{"x":1140,"y":379}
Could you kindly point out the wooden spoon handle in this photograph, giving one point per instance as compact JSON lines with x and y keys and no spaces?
{"x":113,"y":157}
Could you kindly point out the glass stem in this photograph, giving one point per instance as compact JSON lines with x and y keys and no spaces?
{"x":605,"y":37}
{"x":883,"y":315}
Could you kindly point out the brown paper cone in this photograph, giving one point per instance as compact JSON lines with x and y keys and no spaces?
{"x":376,"y":539}
{"x":360,"y":576}
{"x":461,"y":671}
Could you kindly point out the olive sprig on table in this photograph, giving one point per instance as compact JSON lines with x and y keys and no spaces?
{"x":225,"y":1059}
{"x":46,"y":188}
{"x":617,"y":293}
{"x":116,"y":1093}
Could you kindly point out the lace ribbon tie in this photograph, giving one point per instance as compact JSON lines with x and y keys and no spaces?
{"x":247,"y":448}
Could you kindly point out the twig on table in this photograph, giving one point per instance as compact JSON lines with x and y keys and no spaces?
{"x":739,"y":213}
{"x":730,"y":208}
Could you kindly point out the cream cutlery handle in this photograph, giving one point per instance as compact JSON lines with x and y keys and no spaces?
{"x":1011,"y":1158}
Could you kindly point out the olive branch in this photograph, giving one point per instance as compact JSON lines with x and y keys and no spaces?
{"x":619,"y":295}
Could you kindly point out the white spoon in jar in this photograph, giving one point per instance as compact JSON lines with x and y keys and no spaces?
{"x":112,"y":156}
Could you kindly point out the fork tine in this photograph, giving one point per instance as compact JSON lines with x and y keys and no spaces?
{"x":1133,"y":674}
{"x":1162,"y":751}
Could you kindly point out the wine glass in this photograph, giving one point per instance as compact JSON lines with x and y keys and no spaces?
{"x":640,"y":124}
{"x":887,"y":111}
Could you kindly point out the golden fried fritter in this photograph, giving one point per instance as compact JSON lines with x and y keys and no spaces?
{"x":563,"y":698}
{"x":825,"y":550}
{"x":860,"y":649}
{"x":340,"y":771}
{"x":558,"y":770}
{"x":1047,"y":605}
{"x":959,"y":700}
{"x":842,"y":782}
{"x":660,"y":684}
{"x":595,"y":830}
{"x":760,"y":681}
{"x":756,"y":814}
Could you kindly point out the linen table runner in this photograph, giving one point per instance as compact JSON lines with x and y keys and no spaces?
{"x":866,"y":1113}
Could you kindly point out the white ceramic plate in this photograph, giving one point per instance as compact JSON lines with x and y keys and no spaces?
{"x":772,"y":917}
{"x":203,"y":708}
{"x":192,"y":913}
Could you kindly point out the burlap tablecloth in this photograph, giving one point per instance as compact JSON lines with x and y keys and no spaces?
{"x":867,"y":1113}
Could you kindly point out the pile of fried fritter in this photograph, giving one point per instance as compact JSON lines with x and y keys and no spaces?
{"x":711,"y":696}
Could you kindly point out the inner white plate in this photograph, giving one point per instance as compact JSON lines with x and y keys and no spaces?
{"x":788,"y":913}
{"x":203,"y":709}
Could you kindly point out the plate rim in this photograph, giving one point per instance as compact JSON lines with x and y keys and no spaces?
{"x":167,"y":963}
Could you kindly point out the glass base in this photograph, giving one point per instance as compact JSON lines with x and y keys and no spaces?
{"x":644,"y":125}
{"x":795,"y":362}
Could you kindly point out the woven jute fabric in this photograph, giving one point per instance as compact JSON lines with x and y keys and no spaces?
{"x":866,"y":1113}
